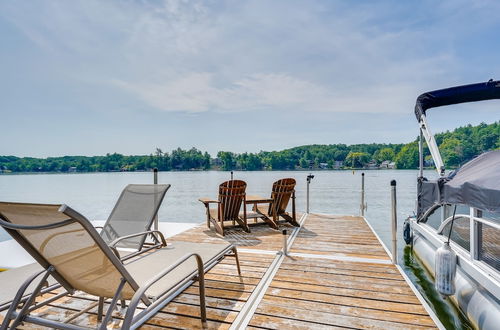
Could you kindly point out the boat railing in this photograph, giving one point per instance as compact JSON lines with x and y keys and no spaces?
{"x":476,"y":235}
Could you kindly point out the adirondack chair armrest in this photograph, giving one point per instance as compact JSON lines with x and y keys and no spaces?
{"x":207,"y":202}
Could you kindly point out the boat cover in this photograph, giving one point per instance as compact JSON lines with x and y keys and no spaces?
{"x":477,"y":184}
{"x":468,"y":93}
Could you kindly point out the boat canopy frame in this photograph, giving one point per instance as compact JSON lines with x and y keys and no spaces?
{"x":454,"y":95}
{"x":474,"y":183}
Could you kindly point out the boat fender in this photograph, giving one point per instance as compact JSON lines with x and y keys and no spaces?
{"x":407,"y":234}
{"x":446,"y":268}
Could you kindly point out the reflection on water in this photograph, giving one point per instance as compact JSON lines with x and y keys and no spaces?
{"x":333,"y":192}
{"x":449,"y":315}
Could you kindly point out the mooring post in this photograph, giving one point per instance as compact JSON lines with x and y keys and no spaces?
{"x":309,"y":178}
{"x":394,"y":223}
{"x":155,"y":181}
{"x":285,"y":243}
{"x":362,"y":206}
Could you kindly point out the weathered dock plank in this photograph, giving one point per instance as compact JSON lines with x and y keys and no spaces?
{"x":337,"y":275}
{"x":261,"y":237}
{"x":314,"y":291}
{"x":338,"y":235}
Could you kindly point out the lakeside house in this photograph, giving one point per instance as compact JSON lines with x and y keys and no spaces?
{"x":338,"y":164}
{"x":386,"y":164}
{"x":323,"y":166}
{"x":372,"y":165}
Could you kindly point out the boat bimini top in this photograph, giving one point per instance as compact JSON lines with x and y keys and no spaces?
{"x":477,"y":183}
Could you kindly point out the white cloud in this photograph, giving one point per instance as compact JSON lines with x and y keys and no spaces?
{"x":281,"y":58}
{"x":194,"y":56}
{"x":196,"y":92}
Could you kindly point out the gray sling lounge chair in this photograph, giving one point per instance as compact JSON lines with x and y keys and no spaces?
{"x":134,"y":212}
{"x":72,"y":252}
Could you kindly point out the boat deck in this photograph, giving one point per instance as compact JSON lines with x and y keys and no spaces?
{"x":337,"y":274}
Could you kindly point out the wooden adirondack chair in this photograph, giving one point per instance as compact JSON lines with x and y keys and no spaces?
{"x":283,"y":190}
{"x":231,"y":198}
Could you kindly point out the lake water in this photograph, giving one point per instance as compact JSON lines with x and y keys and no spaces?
{"x":334,"y":192}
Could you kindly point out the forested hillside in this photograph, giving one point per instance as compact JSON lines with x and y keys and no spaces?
{"x":456,"y":147}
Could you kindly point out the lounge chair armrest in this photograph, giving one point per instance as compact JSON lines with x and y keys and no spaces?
{"x":116,"y":241}
{"x":140,"y":293}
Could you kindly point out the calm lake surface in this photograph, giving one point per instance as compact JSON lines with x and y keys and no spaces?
{"x":334,"y":192}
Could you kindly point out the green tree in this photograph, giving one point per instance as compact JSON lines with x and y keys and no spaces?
{"x":407,"y":157}
{"x":228,"y":160}
{"x":384,"y":154}
{"x":357,"y":159}
{"x":304,"y":163}
{"x":451,"y":151}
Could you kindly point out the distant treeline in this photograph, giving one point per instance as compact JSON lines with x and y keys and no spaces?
{"x":456,"y":147}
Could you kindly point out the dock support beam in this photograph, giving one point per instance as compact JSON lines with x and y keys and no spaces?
{"x":155,"y":181}
{"x":394,"y":223}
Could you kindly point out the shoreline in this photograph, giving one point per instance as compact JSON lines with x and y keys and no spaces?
{"x":214,"y":170}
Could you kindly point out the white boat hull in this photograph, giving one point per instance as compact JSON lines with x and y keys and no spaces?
{"x":480,"y":305}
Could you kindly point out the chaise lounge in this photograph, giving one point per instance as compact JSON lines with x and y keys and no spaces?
{"x":134,"y":212}
{"x":71,"y":251}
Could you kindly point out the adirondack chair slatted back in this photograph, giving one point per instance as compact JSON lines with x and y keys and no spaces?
{"x":281,"y":194}
{"x":231,"y":197}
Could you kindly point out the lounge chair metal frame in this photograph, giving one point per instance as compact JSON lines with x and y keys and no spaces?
{"x":27,"y":304}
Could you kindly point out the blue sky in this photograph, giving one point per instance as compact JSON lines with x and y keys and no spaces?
{"x":91,"y":77}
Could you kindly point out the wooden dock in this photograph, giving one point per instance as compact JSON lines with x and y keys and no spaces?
{"x":337,"y":275}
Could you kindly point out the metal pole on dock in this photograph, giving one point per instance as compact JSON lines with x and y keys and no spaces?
{"x":394,"y":223}
{"x":309,"y":178}
{"x":362,"y":206}
{"x":155,"y":181}
{"x":285,"y":243}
